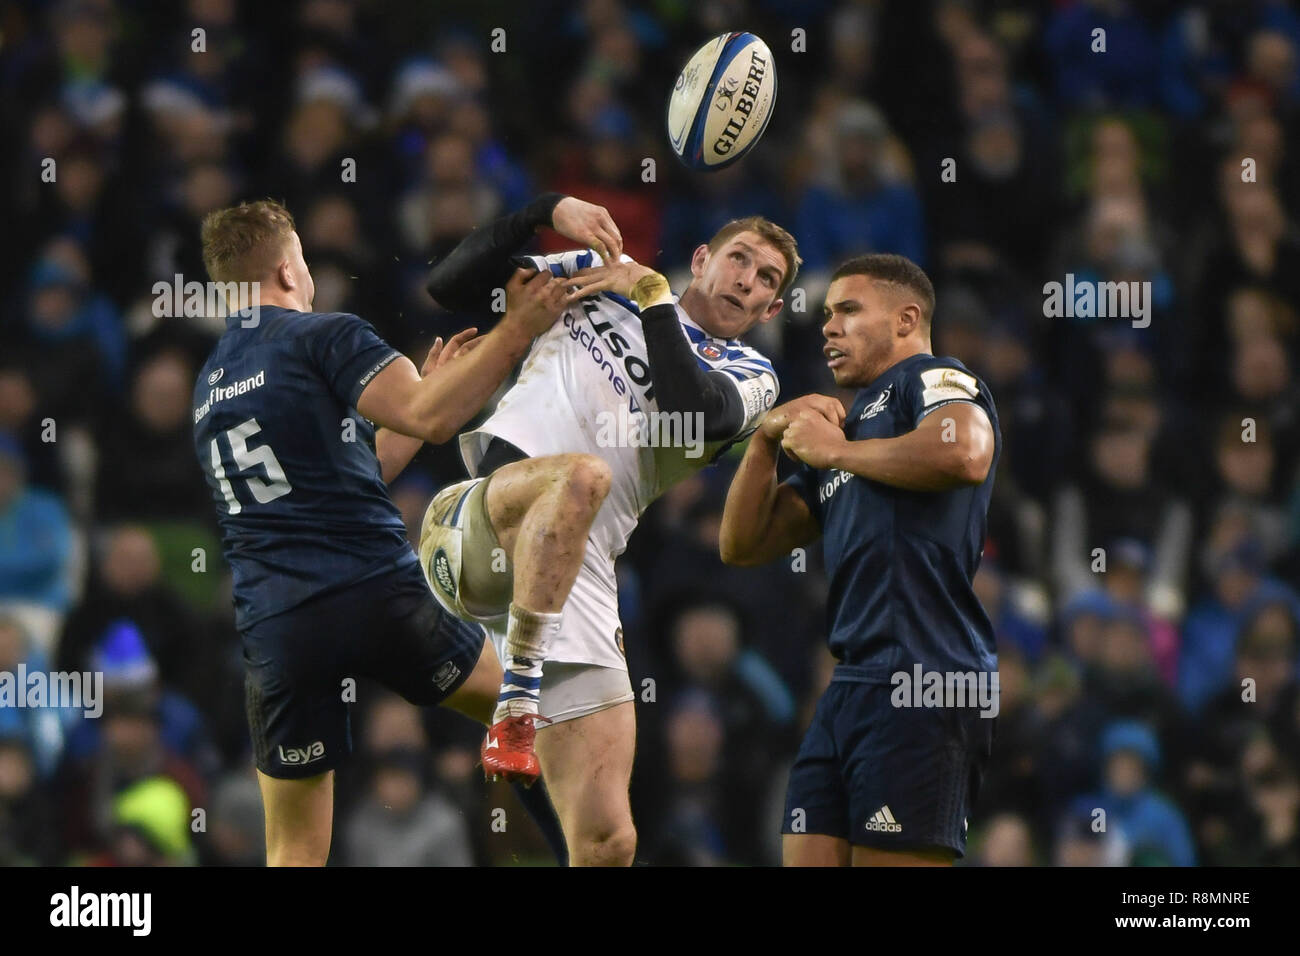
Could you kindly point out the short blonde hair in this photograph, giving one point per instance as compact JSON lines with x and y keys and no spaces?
{"x":243,"y":243}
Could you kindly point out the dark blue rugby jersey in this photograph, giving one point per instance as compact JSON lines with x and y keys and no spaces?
{"x":900,"y":562}
{"x":302,"y":508}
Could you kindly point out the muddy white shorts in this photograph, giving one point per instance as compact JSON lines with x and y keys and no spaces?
{"x":472,"y":578}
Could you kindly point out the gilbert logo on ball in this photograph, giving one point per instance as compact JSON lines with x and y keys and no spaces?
{"x":722,"y":101}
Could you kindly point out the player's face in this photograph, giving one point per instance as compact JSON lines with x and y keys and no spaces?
{"x":739,"y":282}
{"x":861,"y":325}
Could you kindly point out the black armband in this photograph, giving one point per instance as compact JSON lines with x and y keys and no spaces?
{"x":681,"y":385}
{"x":465,"y":278}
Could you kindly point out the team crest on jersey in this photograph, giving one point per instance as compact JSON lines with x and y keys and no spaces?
{"x":710,"y":351}
{"x":878,"y":406}
{"x":442,"y":572}
{"x":215,"y":377}
{"x":618,"y":639}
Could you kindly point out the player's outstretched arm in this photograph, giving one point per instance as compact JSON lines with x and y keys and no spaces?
{"x":464,"y":280}
{"x":395,"y":450}
{"x":763,"y":520}
{"x":953,"y":446}
{"x":434,"y":408}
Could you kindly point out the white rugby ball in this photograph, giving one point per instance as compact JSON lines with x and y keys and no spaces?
{"x":722,"y":101}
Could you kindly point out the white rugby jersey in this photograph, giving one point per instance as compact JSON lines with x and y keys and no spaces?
{"x":585,"y":387}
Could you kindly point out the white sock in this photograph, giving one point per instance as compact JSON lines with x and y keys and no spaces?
{"x":529,"y":636}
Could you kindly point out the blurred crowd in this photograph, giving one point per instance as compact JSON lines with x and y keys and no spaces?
{"x":1143,"y":552}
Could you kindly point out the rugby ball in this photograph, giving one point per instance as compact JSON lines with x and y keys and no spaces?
{"x":722,"y":101}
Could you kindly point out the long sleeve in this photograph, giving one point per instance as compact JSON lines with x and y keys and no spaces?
{"x":681,"y":384}
{"x":464,"y":280}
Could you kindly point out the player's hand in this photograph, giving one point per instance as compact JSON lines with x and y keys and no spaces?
{"x":440,"y":353}
{"x":812,"y":439}
{"x":588,"y":224}
{"x":617,"y":277}
{"x":778,"y":419}
{"x":534,"y":300}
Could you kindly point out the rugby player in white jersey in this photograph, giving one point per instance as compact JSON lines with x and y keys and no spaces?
{"x":568,"y":459}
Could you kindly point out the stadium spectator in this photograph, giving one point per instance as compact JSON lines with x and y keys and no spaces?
{"x":1152,"y":827}
{"x":35,"y":550}
{"x":400,"y":823}
{"x":146,"y":463}
{"x":130,"y":680}
{"x":864,"y":206}
{"x":27,"y":822}
{"x":1239,"y":588}
{"x":127,"y":585}
{"x":605,"y":167}
{"x":236,"y":828}
{"x":39,"y":729}
{"x":1005,"y":841}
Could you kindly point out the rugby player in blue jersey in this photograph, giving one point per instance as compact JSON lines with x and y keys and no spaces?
{"x":898,"y":489}
{"x":326,"y":586}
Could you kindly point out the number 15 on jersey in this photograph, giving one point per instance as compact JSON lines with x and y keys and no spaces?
{"x":246,"y":459}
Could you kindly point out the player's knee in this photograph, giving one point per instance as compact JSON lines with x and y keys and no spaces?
{"x":588,"y":478}
{"x":613,"y":846}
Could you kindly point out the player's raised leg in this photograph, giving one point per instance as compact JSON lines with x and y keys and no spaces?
{"x":477,"y":697}
{"x":299,"y":819}
{"x":587,"y":763}
{"x":511,"y":545}
{"x":542,"y":511}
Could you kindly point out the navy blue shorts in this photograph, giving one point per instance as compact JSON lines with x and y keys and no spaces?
{"x":888,"y":777}
{"x":389,"y":628}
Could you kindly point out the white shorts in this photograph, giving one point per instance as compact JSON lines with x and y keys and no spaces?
{"x":456,"y":531}
{"x":576,"y":690}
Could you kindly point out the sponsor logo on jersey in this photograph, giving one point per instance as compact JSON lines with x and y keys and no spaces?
{"x":215,"y":377}
{"x":221,"y":393}
{"x":710,"y":351}
{"x":297,"y":756}
{"x":442,"y":572}
{"x":615,"y":346}
{"x":946,"y":385}
{"x":829,"y":488}
{"x":446,"y":675}
{"x":877,"y":406}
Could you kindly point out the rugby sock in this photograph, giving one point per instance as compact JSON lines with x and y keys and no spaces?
{"x":529,"y":635}
{"x":538,"y":804}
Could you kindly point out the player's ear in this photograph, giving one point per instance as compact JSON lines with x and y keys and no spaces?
{"x":772,"y":310}
{"x":699,"y":259}
{"x":909,"y":319}
{"x":284,"y":275}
